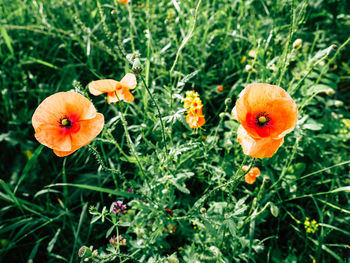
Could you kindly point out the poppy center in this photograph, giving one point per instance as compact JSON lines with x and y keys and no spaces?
{"x":65,"y":122}
{"x":262,"y":119}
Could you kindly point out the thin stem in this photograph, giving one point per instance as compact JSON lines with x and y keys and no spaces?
{"x":185,"y":40}
{"x":104,"y":167}
{"x":159,"y":114}
{"x":128,"y":138}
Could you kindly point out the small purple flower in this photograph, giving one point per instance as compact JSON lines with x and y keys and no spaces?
{"x":119,"y":208}
{"x":130,"y":190}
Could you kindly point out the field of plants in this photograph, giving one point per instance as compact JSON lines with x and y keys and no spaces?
{"x":175,"y":131}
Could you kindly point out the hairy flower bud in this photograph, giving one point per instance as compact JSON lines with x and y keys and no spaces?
{"x":297,"y":44}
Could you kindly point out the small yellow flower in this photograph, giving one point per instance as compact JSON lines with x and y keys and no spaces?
{"x":311,"y":227}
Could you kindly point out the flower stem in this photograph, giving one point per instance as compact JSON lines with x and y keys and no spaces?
{"x":128,"y":138}
{"x":159,"y":115}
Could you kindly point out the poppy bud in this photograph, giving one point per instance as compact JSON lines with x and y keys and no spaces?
{"x":297,"y":44}
{"x":203,"y":210}
{"x":114,"y":13}
{"x":84,"y":252}
{"x":222,"y":115}
{"x":330,"y":91}
{"x":136,"y":67}
{"x":228,"y":101}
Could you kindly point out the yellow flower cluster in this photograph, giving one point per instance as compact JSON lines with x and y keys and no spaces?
{"x":194,"y":106}
{"x":310,"y":226}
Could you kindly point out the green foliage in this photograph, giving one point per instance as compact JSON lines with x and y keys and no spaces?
{"x":184,"y":189}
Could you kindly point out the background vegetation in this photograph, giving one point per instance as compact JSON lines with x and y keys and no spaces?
{"x":48,"y":203}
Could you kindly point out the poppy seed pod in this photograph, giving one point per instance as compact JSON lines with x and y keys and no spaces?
{"x":85,"y":252}
{"x":136,"y":67}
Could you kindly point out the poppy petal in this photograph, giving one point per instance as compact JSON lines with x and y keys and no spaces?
{"x":129,"y":81}
{"x":257,"y":148}
{"x":112,"y":98}
{"x":274,"y":102}
{"x":234,"y":113}
{"x":58,"y":105}
{"x":127,"y":96}
{"x":53,"y":137}
{"x":62,"y":153}
{"x":98,"y":87}
{"x":249,"y":179}
{"x":89,"y":129}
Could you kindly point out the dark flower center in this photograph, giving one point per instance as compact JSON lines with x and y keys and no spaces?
{"x":65,"y":122}
{"x":262,"y":119}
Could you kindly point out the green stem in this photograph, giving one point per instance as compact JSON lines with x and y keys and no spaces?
{"x":159,"y":114}
{"x":128,"y":138}
{"x":104,"y":167}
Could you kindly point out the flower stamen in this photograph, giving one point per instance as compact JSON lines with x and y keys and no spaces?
{"x":65,"y":122}
{"x":262,"y":119}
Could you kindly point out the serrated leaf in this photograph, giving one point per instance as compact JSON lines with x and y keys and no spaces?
{"x":180,"y":187}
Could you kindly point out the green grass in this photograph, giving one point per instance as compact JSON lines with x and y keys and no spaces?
{"x":51,"y":206}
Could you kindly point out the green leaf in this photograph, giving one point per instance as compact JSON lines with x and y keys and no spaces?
{"x":313,"y":125}
{"x":7,"y":39}
{"x":317,"y":89}
{"x":53,"y":241}
{"x":95,"y":188}
{"x":274,"y":209}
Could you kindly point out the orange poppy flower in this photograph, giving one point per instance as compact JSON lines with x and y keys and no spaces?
{"x":115,"y":90}
{"x":195,"y":118}
{"x":66,"y":121}
{"x":123,"y":1}
{"x":251,"y":176}
{"x":266,"y":113}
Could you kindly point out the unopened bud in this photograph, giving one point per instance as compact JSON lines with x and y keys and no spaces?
{"x":330,"y":91}
{"x":114,"y":13}
{"x":338,"y":103}
{"x":297,"y":44}
{"x":203,"y":210}
{"x":248,"y":67}
{"x":136,"y":67}
{"x":228,"y":101}
{"x":85,"y":252}
{"x":222,"y":115}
